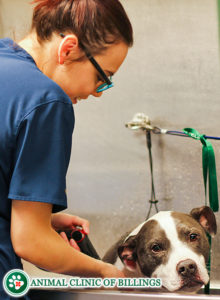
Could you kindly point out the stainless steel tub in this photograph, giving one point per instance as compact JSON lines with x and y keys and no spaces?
{"x":115,"y":295}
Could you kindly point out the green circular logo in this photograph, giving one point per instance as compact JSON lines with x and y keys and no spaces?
{"x":16,"y":283}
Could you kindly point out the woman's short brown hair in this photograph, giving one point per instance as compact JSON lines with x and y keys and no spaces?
{"x":96,"y":23}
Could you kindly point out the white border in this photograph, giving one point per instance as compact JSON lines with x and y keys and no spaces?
{"x":6,"y":288}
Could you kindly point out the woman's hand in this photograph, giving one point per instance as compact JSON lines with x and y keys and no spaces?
{"x":61,"y":221}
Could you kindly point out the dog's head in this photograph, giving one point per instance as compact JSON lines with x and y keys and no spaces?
{"x":172,"y":246}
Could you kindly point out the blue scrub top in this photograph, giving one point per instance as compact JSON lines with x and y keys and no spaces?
{"x":36,"y":126}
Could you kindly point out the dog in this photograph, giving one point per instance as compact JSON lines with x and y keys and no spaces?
{"x":172,"y":246}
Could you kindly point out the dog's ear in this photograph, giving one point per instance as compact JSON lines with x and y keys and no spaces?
{"x":127,"y":253}
{"x":206,"y":218}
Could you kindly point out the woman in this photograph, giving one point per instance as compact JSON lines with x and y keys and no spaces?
{"x":71,"y":52}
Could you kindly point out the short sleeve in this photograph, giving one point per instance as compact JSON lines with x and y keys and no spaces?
{"x":42,"y":154}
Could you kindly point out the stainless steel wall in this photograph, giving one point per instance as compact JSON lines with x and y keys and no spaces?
{"x":171,"y":74}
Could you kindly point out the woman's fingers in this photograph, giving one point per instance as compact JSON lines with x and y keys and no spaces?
{"x":71,"y":241}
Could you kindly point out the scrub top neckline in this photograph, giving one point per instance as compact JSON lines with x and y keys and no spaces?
{"x":15,"y":48}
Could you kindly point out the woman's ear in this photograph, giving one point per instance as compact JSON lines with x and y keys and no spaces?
{"x":69,"y":44}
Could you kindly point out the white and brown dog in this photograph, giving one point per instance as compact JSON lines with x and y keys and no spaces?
{"x":172,"y":246}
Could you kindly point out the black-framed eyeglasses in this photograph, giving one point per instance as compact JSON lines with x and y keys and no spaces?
{"x":108,"y":80}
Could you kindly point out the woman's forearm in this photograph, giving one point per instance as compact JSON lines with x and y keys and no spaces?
{"x":48,"y":250}
{"x":35,"y":240}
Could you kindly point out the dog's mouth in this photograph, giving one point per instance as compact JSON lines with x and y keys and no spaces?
{"x":129,"y":261}
{"x":191,"y":285}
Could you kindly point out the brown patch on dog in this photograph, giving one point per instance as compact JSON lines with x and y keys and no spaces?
{"x":141,"y":247}
{"x":191,"y":233}
{"x":149,"y":237}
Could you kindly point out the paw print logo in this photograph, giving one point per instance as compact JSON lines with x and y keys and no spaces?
{"x":16,"y":283}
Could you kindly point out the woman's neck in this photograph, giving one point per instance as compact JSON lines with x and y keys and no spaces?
{"x":44,"y":54}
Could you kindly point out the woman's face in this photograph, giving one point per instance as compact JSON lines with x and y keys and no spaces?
{"x":80,"y":79}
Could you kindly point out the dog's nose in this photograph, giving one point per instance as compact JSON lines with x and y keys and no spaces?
{"x":186,"y":268}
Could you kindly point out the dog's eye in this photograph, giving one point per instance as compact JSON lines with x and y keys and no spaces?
{"x":156,"y":248}
{"x":193,"y":237}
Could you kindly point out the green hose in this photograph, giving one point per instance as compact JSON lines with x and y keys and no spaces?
{"x":210,"y":177}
